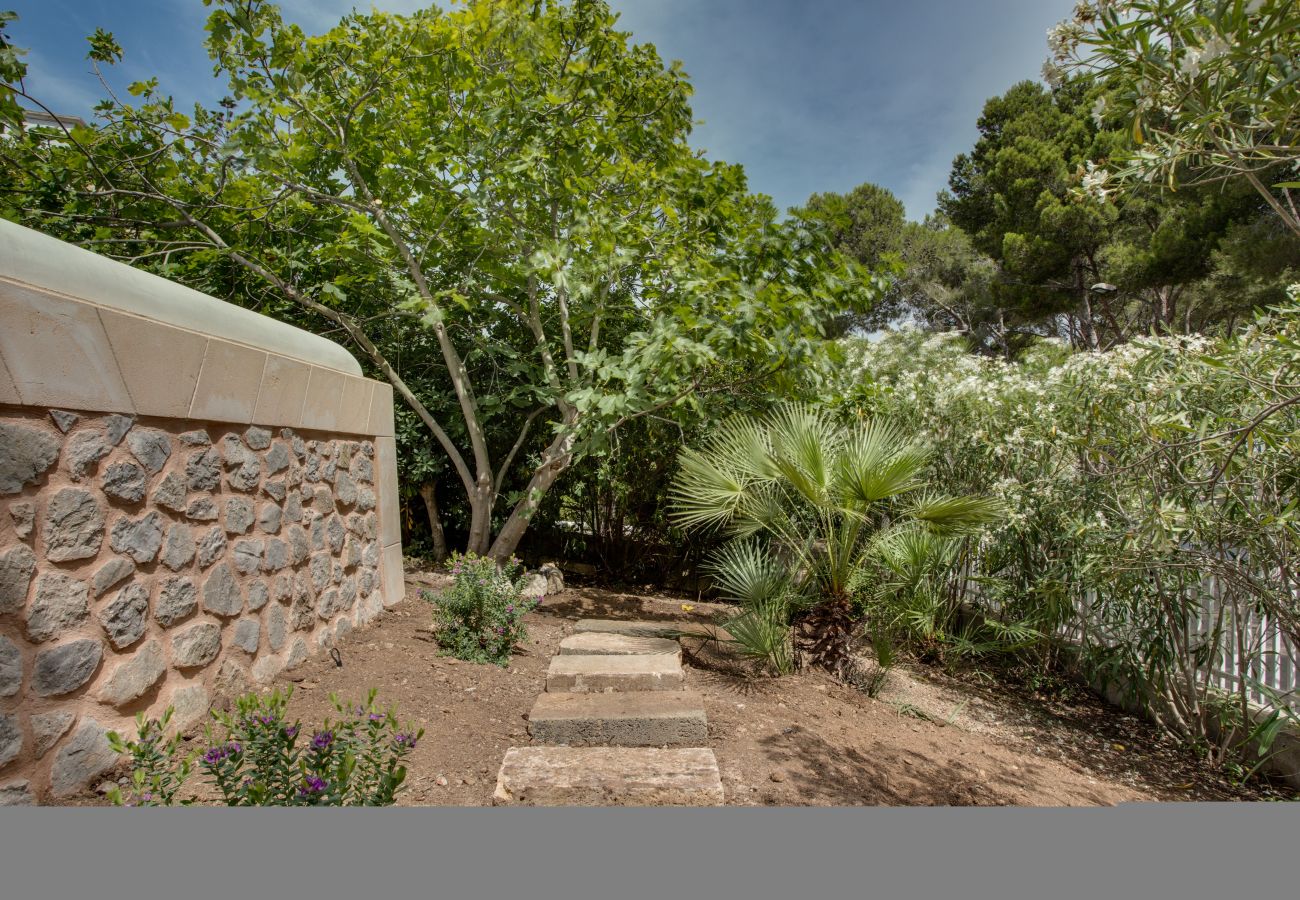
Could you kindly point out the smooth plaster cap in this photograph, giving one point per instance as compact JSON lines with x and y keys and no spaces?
{"x":33,"y":259}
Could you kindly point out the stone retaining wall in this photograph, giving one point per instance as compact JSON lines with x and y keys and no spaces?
{"x":182,"y":513}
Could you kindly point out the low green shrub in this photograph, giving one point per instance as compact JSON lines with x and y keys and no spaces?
{"x":480,"y":617}
{"x":262,"y":760}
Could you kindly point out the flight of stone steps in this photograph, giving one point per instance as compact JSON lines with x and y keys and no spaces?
{"x":616,"y":726}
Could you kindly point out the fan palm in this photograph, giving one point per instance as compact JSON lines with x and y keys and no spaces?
{"x":807,"y":502}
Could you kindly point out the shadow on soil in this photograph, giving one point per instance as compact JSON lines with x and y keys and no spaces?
{"x":591,"y":603}
{"x":819,"y":772}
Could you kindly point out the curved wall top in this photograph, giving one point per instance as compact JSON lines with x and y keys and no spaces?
{"x":36,"y":260}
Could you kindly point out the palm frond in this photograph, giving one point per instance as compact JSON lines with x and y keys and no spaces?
{"x":804,"y":446}
{"x":748,"y":574}
{"x":705,"y":493}
{"x":955,"y":515}
{"x":763,"y":632}
{"x":878,"y":462}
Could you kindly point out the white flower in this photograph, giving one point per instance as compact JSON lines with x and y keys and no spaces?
{"x":1094,"y":181}
{"x":1214,"y":48}
{"x":1053,"y":74}
{"x":1063,"y":37}
{"x":1190,"y":64}
{"x":1099,"y":110}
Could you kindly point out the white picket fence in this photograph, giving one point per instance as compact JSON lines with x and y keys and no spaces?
{"x":1268,"y":656}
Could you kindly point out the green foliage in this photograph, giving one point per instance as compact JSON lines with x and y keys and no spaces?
{"x":1206,"y":91}
{"x":156,"y":773}
{"x":261,"y":760}
{"x":498,"y":205}
{"x":1149,"y":511}
{"x":1032,"y":197}
{"x":12,"y":72}
{"x":479,"y":618}
{"x":746,"y":574}
{"x":762,"y":632}
{"x":811,"y":503}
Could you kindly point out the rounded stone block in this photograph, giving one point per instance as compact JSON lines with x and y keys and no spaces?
{"x":65,"y":668}
{"x":83,"y":757}
{"x":196,"y":646}
{"x":132,"y":679}
{"x":73,"y":527}
{"x":26,"y":453}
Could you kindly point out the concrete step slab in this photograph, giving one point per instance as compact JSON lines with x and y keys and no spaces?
{"x":598,"y":643}
{"x":608,"y":776}
{"x":624,"y":719}
{"x":643,"y":628}
{"x":598,"y":674}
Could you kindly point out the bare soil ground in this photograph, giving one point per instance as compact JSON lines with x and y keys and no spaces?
{"x":802,"y":740}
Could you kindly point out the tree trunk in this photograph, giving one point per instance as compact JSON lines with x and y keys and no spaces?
{"x":556,"y":459}
{"x":480,"y":516}
{"x":1089,"y":324}
{"x":435,"y":521}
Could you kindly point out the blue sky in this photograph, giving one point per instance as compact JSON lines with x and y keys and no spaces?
{"x":809,"y":95}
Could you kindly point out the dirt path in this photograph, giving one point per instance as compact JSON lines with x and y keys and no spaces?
{"x":801,"y":740}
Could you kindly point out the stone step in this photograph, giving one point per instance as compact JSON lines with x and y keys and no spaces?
{"x":642,"y":628}
{"x":599,"y":643}
{"x":608,"y":776}
{"x":630,"y":627}
{"x":626,"y":719}
{"x":598,"y":674}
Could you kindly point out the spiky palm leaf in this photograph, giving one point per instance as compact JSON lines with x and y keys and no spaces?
{"x":878,"y":463}
{"x":763,"y":632}
{"x":955,"y":515}
{"x":816,"y":493}
{"x":748,"y":574}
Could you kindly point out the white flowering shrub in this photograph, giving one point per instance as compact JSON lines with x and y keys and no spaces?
{"x":1208,"y":91}
{"x":1150,"y":495}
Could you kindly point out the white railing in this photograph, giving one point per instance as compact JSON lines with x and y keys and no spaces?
{"x":1267,"y":656}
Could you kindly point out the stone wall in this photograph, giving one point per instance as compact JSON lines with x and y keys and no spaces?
{"x":173,"y":526}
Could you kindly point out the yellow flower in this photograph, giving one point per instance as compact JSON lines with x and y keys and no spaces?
{"x":686,"y":607}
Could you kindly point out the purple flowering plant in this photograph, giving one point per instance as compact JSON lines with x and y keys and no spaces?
{"x":155,"y":779}
{"x":262,"y":759}
{"x":479,"y":618}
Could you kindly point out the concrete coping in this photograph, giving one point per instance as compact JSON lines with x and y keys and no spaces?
{"x":39,"y":261}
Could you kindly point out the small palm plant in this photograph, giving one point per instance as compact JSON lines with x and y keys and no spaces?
{"x":810,"y":504}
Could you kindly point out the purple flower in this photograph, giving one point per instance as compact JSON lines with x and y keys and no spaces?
{"x":377,"y":717}
{"x":405,"y":740}
{"x":291,"y":732}
{"x":321,"y":740}
{"x":214,"y":755}
{"x":313,"y":785}
{"x":233,"y":748}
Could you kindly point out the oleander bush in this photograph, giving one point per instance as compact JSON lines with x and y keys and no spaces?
{"x":1150,"y":525}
